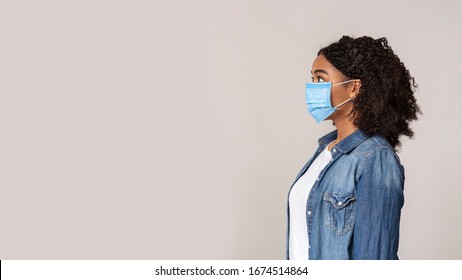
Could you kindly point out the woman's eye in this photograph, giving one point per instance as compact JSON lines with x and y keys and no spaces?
{"x":317,"y":79}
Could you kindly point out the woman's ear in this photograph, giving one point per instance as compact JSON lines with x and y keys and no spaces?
{"x":356,"y":85}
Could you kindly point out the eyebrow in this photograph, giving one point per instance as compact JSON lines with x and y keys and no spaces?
{"x":320,"y":71}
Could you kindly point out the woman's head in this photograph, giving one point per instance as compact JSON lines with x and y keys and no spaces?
{"x":382,"y":90}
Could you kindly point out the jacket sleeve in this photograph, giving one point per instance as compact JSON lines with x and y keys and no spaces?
{"x":379,"y":199}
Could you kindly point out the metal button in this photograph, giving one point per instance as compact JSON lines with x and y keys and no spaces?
{"x":309,"y":213}
{"x":335,"y":150}
{"x":339,"y":203}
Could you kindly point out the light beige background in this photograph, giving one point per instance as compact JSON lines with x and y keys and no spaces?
{"x":173,"y":129}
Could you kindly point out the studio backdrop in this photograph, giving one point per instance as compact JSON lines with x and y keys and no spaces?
{"x":173,"y":129}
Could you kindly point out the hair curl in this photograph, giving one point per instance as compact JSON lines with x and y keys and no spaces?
{"x":385,"y":104}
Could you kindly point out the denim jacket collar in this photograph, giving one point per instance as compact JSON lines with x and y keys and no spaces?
{"x":347,"y":144}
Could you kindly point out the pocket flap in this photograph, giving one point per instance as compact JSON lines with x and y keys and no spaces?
{"x":339,"y":200}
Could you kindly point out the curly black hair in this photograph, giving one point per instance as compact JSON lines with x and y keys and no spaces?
{"x":385,"y":104}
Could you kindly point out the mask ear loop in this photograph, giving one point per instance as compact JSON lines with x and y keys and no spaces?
{"x":344,"y":102}
{"x":348,"y":100}
{"x":341,"y":83}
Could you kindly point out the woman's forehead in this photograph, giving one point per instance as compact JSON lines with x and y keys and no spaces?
{"x":321,"y":64}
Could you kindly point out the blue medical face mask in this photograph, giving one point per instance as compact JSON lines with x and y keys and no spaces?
{"x":318,"y":99}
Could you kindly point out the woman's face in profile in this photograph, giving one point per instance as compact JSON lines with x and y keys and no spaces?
{"x":323,"y":71}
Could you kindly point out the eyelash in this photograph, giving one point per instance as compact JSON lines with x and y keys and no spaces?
{"x":319,"y":80}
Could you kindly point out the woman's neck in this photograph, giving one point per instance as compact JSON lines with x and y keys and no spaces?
{"x":345,"y":127}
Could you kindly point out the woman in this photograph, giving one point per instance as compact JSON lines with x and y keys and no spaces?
{"x":346,"y":201}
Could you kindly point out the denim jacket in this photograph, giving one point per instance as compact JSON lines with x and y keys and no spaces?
{"x":353,"y":209}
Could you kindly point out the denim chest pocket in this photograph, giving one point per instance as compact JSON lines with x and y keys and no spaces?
{"x":339,"y":211}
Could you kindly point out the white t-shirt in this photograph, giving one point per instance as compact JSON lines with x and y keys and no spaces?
{"x":298,"y":232}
